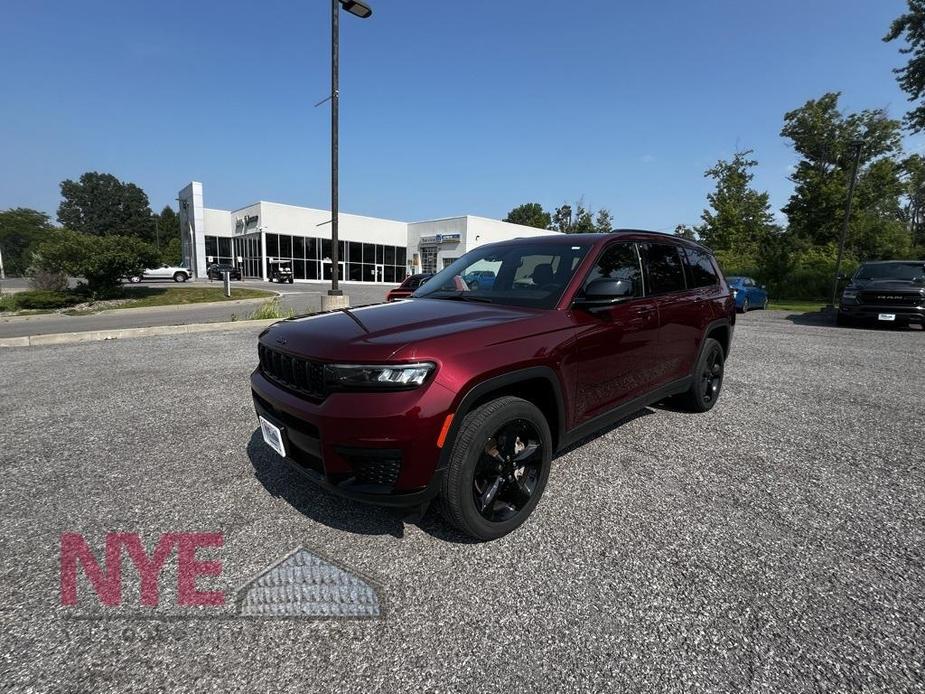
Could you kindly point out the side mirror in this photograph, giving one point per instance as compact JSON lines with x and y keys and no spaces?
{"x":601,"y":293}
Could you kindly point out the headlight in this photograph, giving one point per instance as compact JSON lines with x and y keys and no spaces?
{"x":849,"y":295}
{"x":734,"y":292}
{"x":377,"y":376}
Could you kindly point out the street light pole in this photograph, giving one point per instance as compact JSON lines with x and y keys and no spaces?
{"x":2,"y":271}
{"x":857,"y":145}
{"x":363,"y":11}
{"x":335,"y":135}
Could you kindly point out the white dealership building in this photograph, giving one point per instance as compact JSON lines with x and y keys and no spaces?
{"x":371,"y":249}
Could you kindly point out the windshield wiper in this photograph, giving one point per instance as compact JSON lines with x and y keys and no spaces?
{"x":464,"y":296}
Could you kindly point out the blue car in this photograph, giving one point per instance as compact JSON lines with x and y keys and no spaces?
{"x":748,"y":293}
{"x":479,"y":279}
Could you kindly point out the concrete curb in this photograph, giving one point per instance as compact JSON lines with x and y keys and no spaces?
{"x":125,"y":333}
{"x":143,"y":310}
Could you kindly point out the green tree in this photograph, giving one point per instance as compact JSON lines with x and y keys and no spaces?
{"x":603,"y":221}
{"x":913,"y":210}
{"x":102,"y":261}
{"x":739,"y":217}
{"x":20,"y":229}
{"x":824,"y":138}
{"x":911,"y":78}
{"x":168,"y":235}
{"x":562,"y":219}
{"x":686,"y":232}
{"x":529,"y":214}
{"x":102,"y":205}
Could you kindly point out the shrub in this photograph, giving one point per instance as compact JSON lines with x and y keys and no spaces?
{"x":48,"y":281}
{"x":41,"y":299}
{"x":101,"y":260}
{"x":7,"y":302}
{"x":271,"y":309}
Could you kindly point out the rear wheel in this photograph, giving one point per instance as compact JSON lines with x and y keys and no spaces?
{"x":498,"y":468}
{"x":708,"y":378}
{"x":179,"y":277}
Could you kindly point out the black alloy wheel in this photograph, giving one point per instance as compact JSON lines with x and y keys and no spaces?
{"x":498,"y":467}
{"x":507,"y":471}
{"x":711,"y":375}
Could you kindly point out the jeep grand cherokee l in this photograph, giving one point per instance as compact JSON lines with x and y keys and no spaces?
{"x":889,"y":292}
{"x":467,"y":394}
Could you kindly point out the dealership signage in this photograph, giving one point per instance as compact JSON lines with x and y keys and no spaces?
{"x":244,"y":224}
{"x":441,"y":238}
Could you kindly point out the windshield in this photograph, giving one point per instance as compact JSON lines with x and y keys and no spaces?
{"x":532,"y":274}
{"x":909,"y":272}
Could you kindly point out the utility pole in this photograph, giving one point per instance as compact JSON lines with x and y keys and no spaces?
{"x":360,"y":9}
{"x":2,"y":271}
{"x":335,"y":123}
{"x":857,"y":145}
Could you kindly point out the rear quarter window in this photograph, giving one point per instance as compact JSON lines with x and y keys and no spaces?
{"x":700,"y":267}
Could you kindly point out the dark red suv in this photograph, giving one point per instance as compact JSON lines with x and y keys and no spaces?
{"x":466,"y":394}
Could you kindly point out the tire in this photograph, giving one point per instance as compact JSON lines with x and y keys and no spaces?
{"x":744,"y":308}
{"x":180,"y":277}
{"x":842,"y":321}
{"x":708,"y":379}
{"x":135,"y":279}
{"x":764,"y":306}
{"x":473,"y":473}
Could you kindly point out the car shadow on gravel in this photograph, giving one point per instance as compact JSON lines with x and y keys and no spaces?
{"x":827,"y":319}
{"x":282,"y":481}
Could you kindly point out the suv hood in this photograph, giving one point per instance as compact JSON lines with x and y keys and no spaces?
{"x":377,"y":333}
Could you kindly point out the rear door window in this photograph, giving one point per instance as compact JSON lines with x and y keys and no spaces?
{"x":664,"y":271}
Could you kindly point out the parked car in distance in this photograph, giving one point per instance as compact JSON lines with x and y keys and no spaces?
{"x":280,"y":272}
{"x":410,"y":284}
{"x":748,"y":293}
{"x":164,"y":272}
{"x":888,"y":292}
{"x":479,"y":279}
{"x":216,"y":272}
{"x":466,"y":395}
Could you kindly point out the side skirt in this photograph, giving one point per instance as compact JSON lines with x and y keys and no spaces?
{"x":602,"y":421}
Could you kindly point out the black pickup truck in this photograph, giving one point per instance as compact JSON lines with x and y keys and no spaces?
{"x":889,"y":292}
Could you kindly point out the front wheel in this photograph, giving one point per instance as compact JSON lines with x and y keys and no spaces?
{"x":764,"y":306}
{"x":745,"y":306}
{"x":708,"y":378}
{"x":135,"y":279}
{"x":179,"y":277}
{"x":498,"y":468}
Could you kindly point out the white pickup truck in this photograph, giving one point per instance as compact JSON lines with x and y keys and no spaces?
{"x":164,"y":272}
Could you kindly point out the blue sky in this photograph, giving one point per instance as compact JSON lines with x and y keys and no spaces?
{"x":447,"y":108}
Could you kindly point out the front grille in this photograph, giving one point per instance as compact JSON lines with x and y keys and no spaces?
{"x":304,"y":376}
{"x":890,"y":298}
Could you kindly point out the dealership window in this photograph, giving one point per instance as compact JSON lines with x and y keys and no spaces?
{"x":219,"y":249}
{"x":361,"y":262}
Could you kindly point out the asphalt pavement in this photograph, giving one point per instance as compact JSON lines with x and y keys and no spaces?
{"x":774,"y":544}
{"x":301,"y":297}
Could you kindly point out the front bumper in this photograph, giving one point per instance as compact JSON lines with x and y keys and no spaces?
{"x":372,"y":447}
{"x":904,"y":314}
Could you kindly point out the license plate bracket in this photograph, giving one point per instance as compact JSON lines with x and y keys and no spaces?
{"x":273,"y":435}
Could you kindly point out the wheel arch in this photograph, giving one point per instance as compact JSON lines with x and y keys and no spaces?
{"x":538,"y":385}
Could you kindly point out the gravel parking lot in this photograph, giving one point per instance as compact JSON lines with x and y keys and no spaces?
{"x":774,"y":544}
